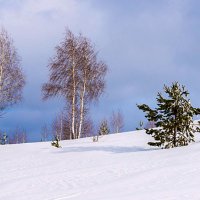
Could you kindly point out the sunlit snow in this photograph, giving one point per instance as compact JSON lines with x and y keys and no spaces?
{"x":118,"y":167}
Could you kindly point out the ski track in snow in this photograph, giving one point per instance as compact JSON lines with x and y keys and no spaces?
{"x":118,"y":167}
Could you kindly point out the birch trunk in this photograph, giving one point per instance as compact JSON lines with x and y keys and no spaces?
{"x":61,"y":126}
{"x":82,"y":109}
{"x":1,"y":68}
{"x":1,"y":76}
{"x":73,"y":103}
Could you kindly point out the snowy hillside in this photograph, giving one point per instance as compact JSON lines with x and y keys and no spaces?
{"x":118,"y":167}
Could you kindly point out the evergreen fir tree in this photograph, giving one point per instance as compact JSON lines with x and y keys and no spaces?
{"x":104,"y":129}
{"x":3,"y":139}
{"x":173,"y":118}
{"x":55,"y":143}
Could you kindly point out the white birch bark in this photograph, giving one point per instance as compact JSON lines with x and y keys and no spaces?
{"x":82,"y":108}
{"x":61,"y":126}
{"x":73,"y":102}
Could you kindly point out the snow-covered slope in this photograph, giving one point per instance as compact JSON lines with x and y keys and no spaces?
{"x":118,"y":167}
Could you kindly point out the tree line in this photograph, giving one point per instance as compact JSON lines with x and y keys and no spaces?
{"x":78,"y":76}
{"x":59,"y":127}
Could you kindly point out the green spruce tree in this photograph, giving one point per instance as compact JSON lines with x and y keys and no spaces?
{"x":104,"y":129}
{"x":173,"y":118}
{"x":3,"y":139}
{"x":55,"y":143}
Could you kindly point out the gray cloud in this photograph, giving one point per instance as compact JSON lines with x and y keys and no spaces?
{"x":145,"y":43}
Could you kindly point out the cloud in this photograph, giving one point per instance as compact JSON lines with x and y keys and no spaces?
{"x":145,"y":43}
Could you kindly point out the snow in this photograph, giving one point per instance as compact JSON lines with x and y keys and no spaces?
{"x":118,"y":167}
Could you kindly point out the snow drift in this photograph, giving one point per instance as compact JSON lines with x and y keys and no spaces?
{"x":118,"y":167}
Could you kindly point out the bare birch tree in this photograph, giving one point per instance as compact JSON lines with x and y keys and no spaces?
{"x":61,"y":125}
{"x":12,"y":80}
{"x":150,"y":124}
{"x":58,"y":126}
{"x":44,"y":133}
{"x":19,"y":135}
{"x":78,"y":76}
{"x":117,"y":121}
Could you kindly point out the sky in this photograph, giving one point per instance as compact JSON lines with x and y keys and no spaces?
{"x":145,"y":44}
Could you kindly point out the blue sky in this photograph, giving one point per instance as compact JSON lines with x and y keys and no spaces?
{"x":145,"y":43}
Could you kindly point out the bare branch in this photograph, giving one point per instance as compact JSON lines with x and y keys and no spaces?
{"x":78,"y":76}
{"x":12,"y":80}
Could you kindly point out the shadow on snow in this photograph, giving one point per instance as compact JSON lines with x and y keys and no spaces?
{"x":112,"y":149}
